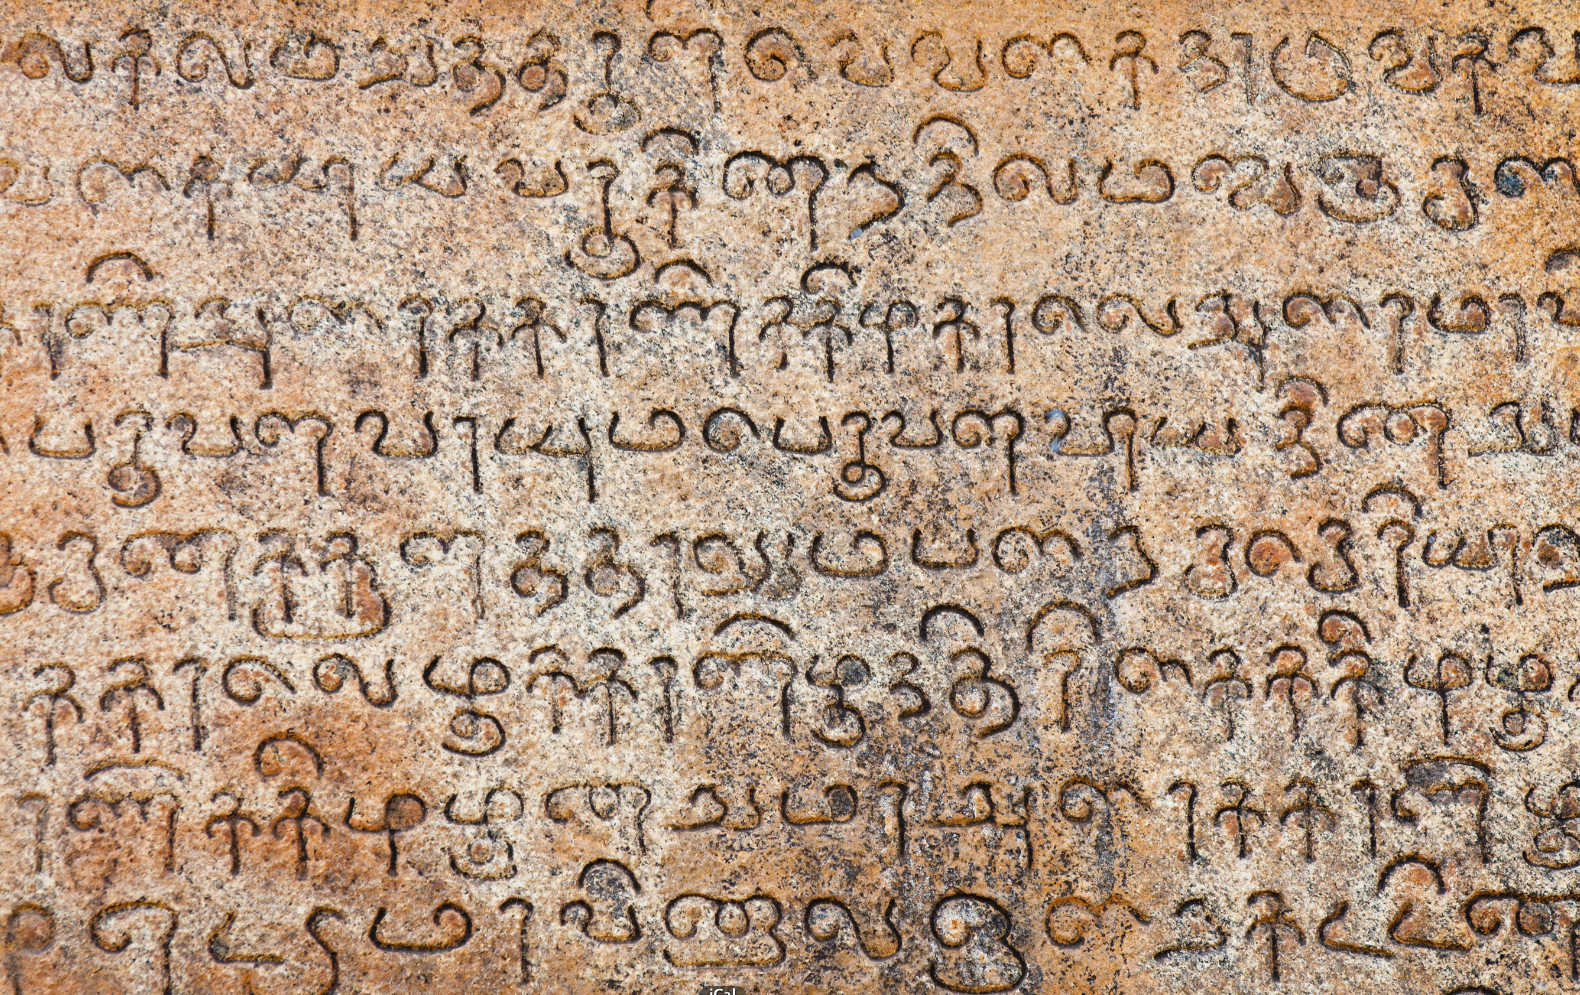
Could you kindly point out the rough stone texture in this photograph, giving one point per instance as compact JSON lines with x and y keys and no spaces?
{"x":812,"y":497}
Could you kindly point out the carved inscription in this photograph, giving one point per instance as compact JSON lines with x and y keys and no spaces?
{"x":901,"y":497}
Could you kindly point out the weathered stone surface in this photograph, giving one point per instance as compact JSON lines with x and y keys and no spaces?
{"x":818,"y":498}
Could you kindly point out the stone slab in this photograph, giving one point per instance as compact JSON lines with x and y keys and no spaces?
{"x":618,"y":497}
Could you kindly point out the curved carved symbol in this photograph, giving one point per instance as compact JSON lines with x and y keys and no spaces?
{"x":333,"y":596}
{"x":935,"y":58}
{"x":185,"y":553}
{"x":334,"y":176}
{"x":529,"y":576}
{"x":539,"y":72}
{"x":272,"y":758}
{"x":839,"y":802}
{"x":16,"y":579}
{"x":860,"y":544}
{"x":721,"y":433}
{"x":1237,"y":814}
{"x":1521,"y":728}
{"x":664,"y":47}
{"x":1304,"y":396}
{"x":745,"y":170}
{"x":1452,"y":672}
{"x":422,"y":550}
{"x":129,"y":261}
{"x":867,"y":172}
{"x":273,"y":427}
{"x":1354,"y":190}
{"x":533,"y":314}
{"x":1308,"y":812}
{"x":1401,"y":70}
{"x":1290,"y":679}
{"x":1470,"y":55}
{"x":1131,"y":46}
{"x":706,"y":810}
{"x":221,"y":951}
{"x":737,"y":933}
{"x":855,"y":66}
{"x":415,"y":66}
{"x":1325,"y":936}
{"x":1199,"y":929}
{"x":654,"y":418}
{"x":1138,"y":670}
{"x":473,"y":733}
{"x":312,"y":57}
{"x":523,"y":946}
{"x":1017,"y":547}
{"x":609,"y":913}
{"x":1548,"y":60}
{"x":1454,"y":207}
{"x":770,"y":53}
{"x":131,"y":686}
{"x":978,"y":956}
{"x":608,"y":577}
{"x":1445,"y":781}
{"x":827,"y":918}
{"x":859,"y":480}
{"x":1214,"y":578}
{"x":973,"y":427}
{"x":402,"y":811}
{"x":34,"y":54}
{"x":966,"y":198}
{"x":838,"y":726}
{"x":1072,"y":921}
{"x":1248,"y":181}
{"x":1017,"y":176}
{"x":1204,"y":72}
{"x":111,"y":930}
{"x":1408,"y":927}
{"x":29,"y":930}
{"x":243,"y":679}
{"x":990,"y":704}
{"x":29,"y":185}
{"x":488,"y":856}
{"x":1096,"y":806}
{"x":1516,"y":173}
{"x":294,"y":818}
{"x":1556,"y":843}
{"x":440,"y":944}
{"x":206,"y":177}
{"x":330,"y":674}
{"x":546,"y":183}
{"x":53,"y":697}
{"x":622,"y":806}
{"x":135,"y":57}
{"x":932,"y":561}
{"x":1227,"y":685}
{"x":1019,"y":56}
{"x":449,"y":181}
{"x":1334,"y":577}
{"x":601,"y":252}
{"x":671,"y":191}
{"x":1277,"y":925}
{"x":474,"y":73}
{"x":606,"y":112}
{"x":192,"y":62}
{"x":1323,"y":75}
{"x":558,"y":683}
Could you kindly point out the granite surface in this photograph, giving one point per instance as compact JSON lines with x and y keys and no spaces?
{"x":812,"y":497}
